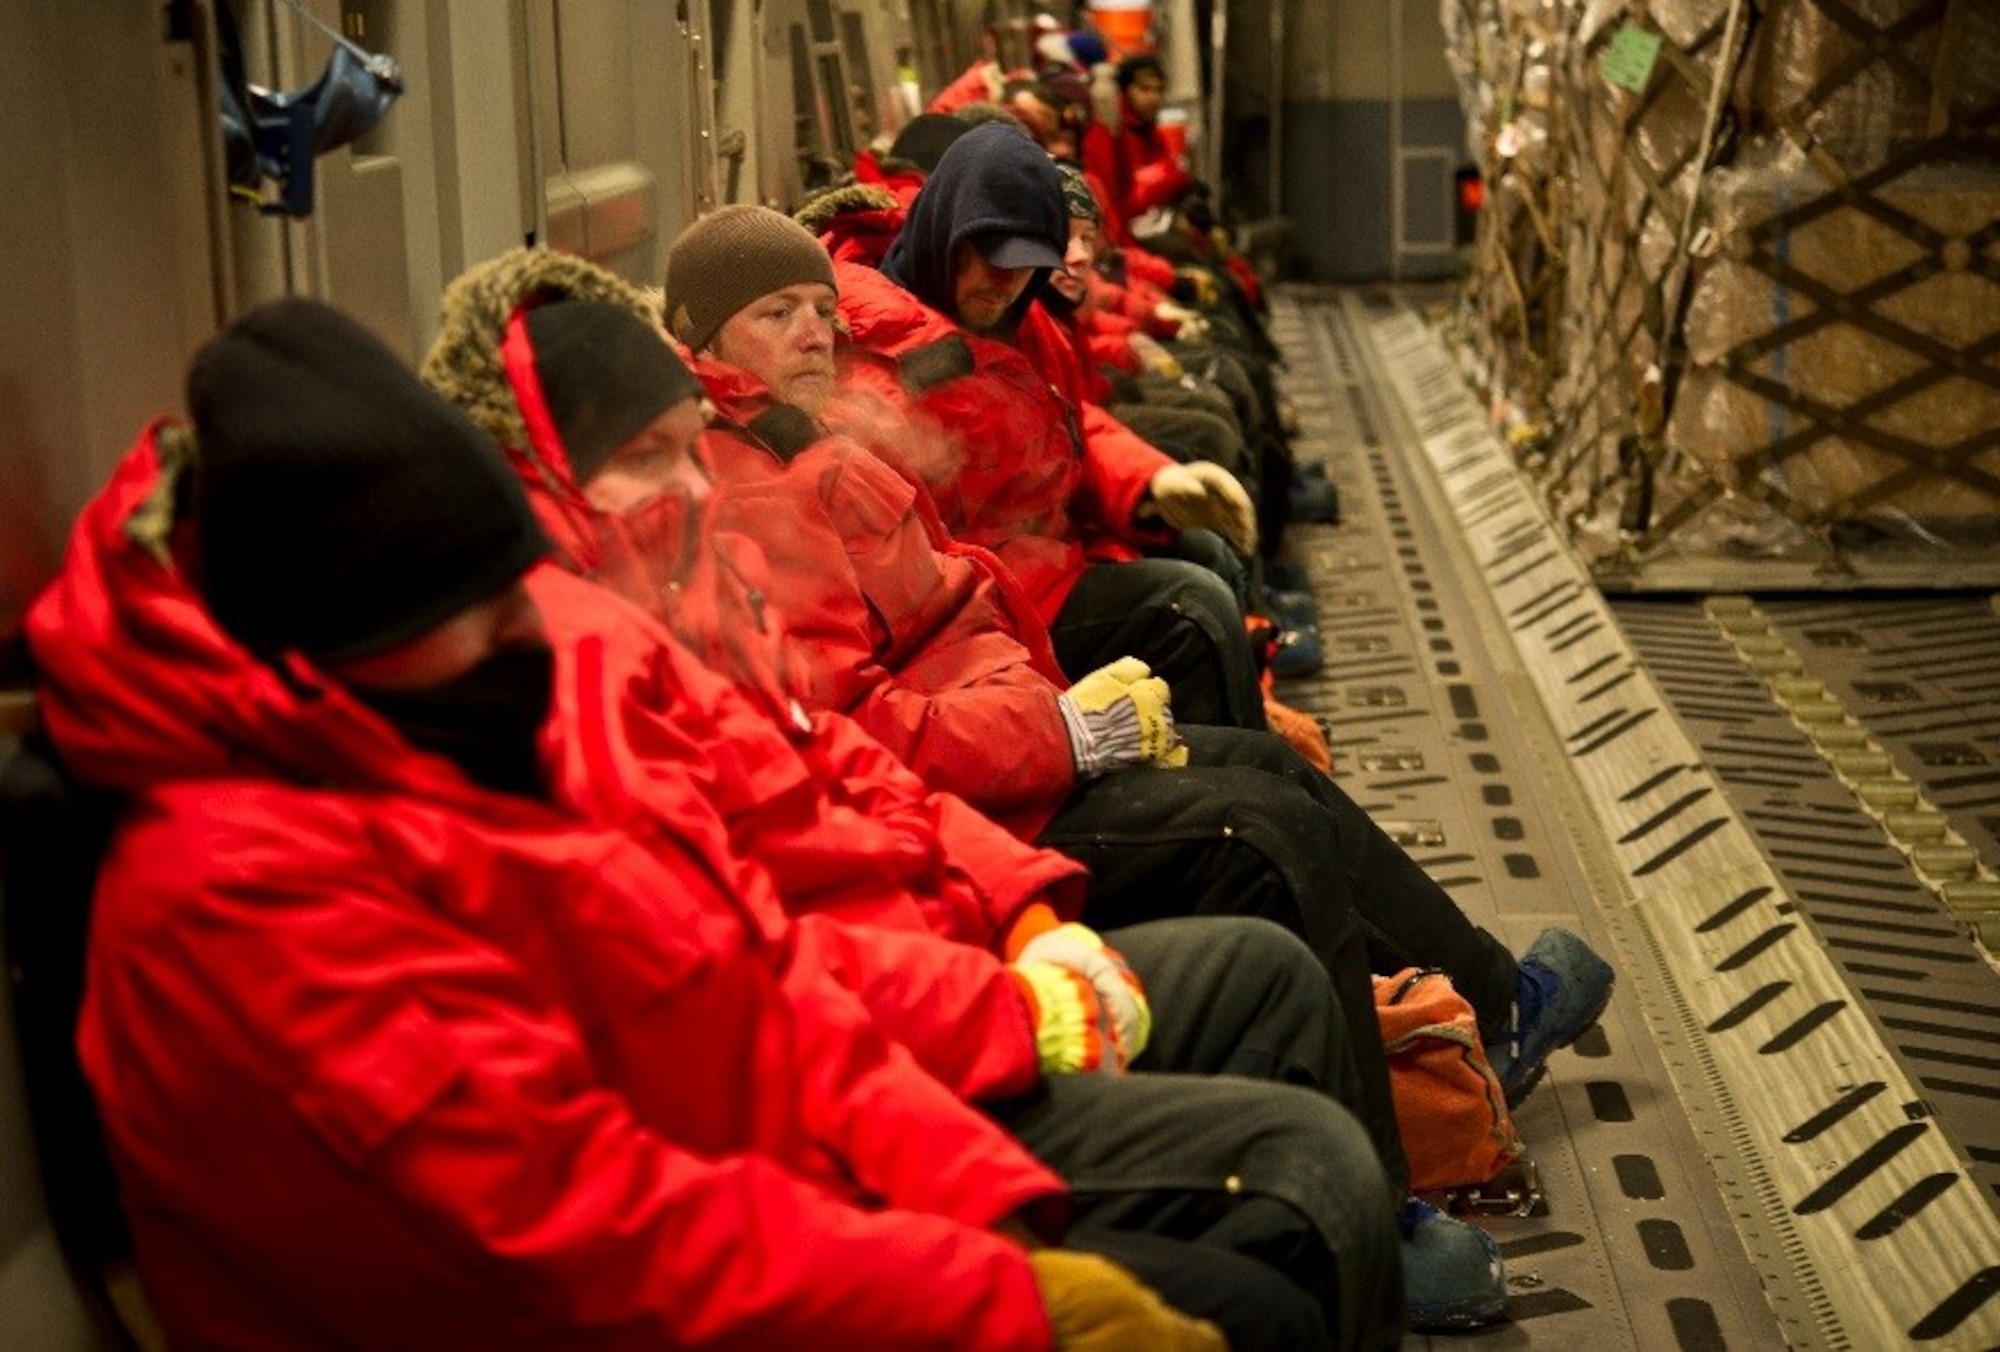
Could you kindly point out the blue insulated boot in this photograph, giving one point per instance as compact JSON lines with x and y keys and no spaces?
{"x":1312,"y":497}
{"x":1299,"y":654}
{"x":1452,"y":1275}
{"x":1292,"y":609}
{"x":1562,"y":989}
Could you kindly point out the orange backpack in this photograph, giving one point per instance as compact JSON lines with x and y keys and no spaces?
{"x":1449,"y":1105}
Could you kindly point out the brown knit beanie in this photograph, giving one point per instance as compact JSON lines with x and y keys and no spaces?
{"x":733,"y":256}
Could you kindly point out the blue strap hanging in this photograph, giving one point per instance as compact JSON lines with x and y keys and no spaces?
{"x":272,"y":136}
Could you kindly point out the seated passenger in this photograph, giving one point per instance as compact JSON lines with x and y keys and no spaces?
{"x":1015,"y":458}
{"x":507,"y":1035}
{"x":902,"y":628}
{"x":1189,"y":416}
{"x":1144,"y":174}
{"x":1132,"y":157}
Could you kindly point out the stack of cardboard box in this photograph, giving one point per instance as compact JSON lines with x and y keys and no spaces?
{"x":1780,"y":317}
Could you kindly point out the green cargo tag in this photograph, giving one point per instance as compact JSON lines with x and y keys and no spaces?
{"x":1628,"y":61}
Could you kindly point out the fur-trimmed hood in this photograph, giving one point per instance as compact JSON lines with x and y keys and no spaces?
{"x":464,"y":364}
{"x":819,"y":212}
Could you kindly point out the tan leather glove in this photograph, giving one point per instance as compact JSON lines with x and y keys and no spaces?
{"x":1120,"y":715}
{"x":1096,"y":1306}
{"x":1201,"y":496}
{"x":1190,"y":326}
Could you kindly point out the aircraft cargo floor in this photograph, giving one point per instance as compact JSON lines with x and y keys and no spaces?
{"x":1780,"y":817}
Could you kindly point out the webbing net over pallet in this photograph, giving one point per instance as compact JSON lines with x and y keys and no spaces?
{"x":1508,"y":56}
{"x":1777,"y":358}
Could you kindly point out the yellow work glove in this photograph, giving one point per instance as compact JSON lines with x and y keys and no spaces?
{"x":1200,"y":286}
{"x":1156,"y":359}
{"x":1120,"y":715}
{"x":1096,"y":1306}
{"x":1080,"y":949}
{"x":1202,"y":496}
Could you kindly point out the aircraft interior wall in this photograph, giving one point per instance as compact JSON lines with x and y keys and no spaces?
{"x":602,"y":127}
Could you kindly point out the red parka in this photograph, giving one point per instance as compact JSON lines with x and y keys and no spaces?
{"x":1015,"y":462}
{"x":389,"y":1060}
{"x":1137,"y":168}
{"x":901,"y":180}
{"x":928,"y":644}
{"x":908,"y":855}
{"x":979,"y":82}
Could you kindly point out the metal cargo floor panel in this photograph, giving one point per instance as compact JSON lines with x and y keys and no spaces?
{"x":1739,"y":1157}
{"x":1904,"y":951}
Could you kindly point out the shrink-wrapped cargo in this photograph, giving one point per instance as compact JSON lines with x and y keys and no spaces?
{"x":1778,"y":336}
{"x":1845,"y":354}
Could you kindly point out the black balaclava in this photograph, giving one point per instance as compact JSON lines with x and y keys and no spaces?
{"x":487,"y":720}
{"x":993,"y":182}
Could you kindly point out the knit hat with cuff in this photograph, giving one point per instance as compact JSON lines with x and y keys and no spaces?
{"x":731,"y":257}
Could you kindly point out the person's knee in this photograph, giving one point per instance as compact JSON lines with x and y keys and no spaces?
{"x":1292,"y":873}
{"x":1284,"y":821}
{"x":1353,"y":1199}
{"x":1211,"y":551}
{"x":1198,"y":591}
{"x":1273,"y":755}
{"x":1298,"y":1030}
{"x":1203,"y":606}
{"x":1271,"y":955}
{"x":1315,"y":1154}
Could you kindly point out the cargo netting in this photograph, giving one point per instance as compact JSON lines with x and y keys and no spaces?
{"x":1735,"y":292}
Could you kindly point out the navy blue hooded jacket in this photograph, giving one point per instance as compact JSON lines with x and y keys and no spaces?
{"x":993,"y":180}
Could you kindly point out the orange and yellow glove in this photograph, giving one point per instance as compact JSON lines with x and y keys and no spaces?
{"x":1089,"y":1008}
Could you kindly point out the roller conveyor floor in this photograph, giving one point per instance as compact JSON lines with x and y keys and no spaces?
{"x":1781,"y":818}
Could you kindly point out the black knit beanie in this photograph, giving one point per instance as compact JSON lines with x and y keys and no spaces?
{"x":605,"y":374}
{"x":341,"y":507}
{"x":730,"y":257}
{"x":925,"y":139}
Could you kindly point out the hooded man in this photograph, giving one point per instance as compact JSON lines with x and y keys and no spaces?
{"x":1015,"y":456}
